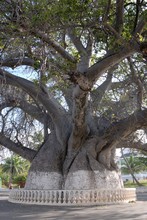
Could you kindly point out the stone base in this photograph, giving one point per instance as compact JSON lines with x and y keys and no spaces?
{"x":75,"y":180}
{"x":93,"y":180}
{"x":43,"y":180}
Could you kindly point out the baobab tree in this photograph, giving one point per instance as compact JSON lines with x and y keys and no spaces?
{"x":87,"y":91}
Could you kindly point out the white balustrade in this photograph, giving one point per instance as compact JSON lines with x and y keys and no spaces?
{"x":73,"y":197}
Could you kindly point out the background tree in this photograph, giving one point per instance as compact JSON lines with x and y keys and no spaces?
{"x":87,"y":92}
{"x":13,"y":166}
{"x":132,"y":165}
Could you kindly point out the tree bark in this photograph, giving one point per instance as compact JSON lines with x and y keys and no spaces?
{"x":85,"y":172}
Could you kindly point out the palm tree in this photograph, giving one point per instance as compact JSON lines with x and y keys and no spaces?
{"x":14,"y":165}
{"x":132,"y":165}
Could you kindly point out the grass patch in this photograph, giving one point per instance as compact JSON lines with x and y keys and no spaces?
{"x":130,"y":184}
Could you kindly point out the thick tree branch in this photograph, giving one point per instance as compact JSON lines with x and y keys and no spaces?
{"x":122,"y":129}
{"x":120,"y":84}
{"x":24,"y":152}
{"x":67,"y":92}
{"x":112,"y":31}
{"x":26,"y":107}
{"x":54,"y":45}
{"x":105,"y":17}
{"x":6,"y":104}
{"x":55,"y":110}
{"x":32,"y":110}
{"x":138,"y":82}
{"x":85,"y":52}
{"x":36,"y":92}
{"x":16,"y":62}
{"x":98,"y":94}
{"x":89,"y":45}
{"x":119,"y":15}
{"x":137,"y":14}
{"x":143,"y":49}
{"x":117,"y":132}
{"x":135,"y":145}
{"x":95,"y":71}
{"x":138,"y":146}
{"x":139,"y":26}
{"x":76,"y":41}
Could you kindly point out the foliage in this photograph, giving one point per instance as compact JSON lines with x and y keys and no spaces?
{"x":14,"y":169}
{"x":20,"y":179}
{"x":15,"y":164}
{"x":4,"y":177}
{"x":137,"y":164}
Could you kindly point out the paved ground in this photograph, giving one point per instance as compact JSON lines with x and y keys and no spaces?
{"x":131,"y":211}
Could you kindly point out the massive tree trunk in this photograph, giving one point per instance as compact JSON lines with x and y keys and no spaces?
{"x":52,"y":169}
{"x":90,"y":164}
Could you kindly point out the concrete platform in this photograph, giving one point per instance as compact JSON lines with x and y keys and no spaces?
{"x":4,"y":192}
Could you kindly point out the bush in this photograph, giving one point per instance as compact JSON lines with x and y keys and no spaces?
{"x":20,"y":180}
{"x":5,"y":180}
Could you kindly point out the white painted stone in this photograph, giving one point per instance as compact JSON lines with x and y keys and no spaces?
{"x":108,"y":180}
{"x":93,"y":180}
{"x":44,"y":180}
{"x":77,"y":180}
{"x":80,"y":180}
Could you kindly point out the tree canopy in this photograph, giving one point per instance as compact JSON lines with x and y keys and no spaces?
{"x":88,"y":77}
